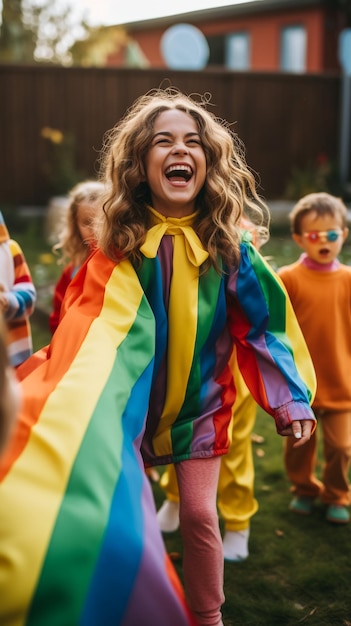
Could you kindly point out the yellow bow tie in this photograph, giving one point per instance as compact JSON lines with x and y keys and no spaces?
{"x":174,"y":226}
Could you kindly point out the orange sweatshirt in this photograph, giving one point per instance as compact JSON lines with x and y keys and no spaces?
{"x":322,"y":303}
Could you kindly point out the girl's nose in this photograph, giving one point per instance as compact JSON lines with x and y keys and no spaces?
{"x":181,"y":147}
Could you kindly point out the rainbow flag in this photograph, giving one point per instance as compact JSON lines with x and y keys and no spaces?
{"x":79,"y":539}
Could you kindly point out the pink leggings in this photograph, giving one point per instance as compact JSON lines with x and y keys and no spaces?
{"x":203,"y":555}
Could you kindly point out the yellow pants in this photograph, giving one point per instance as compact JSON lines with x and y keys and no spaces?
{"x":236,"y":501}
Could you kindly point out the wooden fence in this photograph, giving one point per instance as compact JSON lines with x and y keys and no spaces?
{"x":284,"y":120}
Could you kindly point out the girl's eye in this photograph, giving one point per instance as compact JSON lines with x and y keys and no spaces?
{"x":168,"y":141}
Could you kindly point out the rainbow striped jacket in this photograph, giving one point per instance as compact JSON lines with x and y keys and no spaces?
{"x":79,"y":539}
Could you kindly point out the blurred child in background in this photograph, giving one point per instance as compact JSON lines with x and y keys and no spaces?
{"x":76,"y":240}
{"x":17,"y":297}
{"x":319,"y":287}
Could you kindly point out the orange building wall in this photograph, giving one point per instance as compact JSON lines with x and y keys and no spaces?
{"x":265,"y":36}
{"x":264,"y":31}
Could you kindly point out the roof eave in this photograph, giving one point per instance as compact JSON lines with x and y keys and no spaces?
{"x":245,"y":8}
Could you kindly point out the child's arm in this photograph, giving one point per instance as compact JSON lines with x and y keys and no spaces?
{"x":21,"y":297}
{"x":272,"y":353}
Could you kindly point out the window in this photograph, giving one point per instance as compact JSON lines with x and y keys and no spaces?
{"x":216,"y":45}
{"x":237,"y":51}
{"x":293,"y":49}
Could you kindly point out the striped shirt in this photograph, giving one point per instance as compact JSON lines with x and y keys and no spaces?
{"x":17,"y":285}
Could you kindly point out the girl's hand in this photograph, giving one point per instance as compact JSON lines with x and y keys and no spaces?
{"x":300,"y":430}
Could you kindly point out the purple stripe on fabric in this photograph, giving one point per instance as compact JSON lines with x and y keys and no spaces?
{"x":290,"y":412}
{"x":224,"y":347}
{"x":232,"y":281}
{"x":157,"y":393}
{"x":165,"y":254}
{"x":204,"y":434}
{"x":153,"y":595}
{"x":157,"y":396}
{"x":277,"y":393}
{"x":156,"y":404}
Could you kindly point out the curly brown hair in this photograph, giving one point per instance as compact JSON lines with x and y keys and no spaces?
{"x":229,"y":190}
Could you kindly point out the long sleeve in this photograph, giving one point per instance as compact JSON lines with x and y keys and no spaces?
{"x":22,"y":294}
{"x":272,"y":353}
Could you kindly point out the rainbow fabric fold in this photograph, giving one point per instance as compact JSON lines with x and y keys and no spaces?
{"x":79,"y":539}
{"x":199,"y":316}
{"x":270,"y":343}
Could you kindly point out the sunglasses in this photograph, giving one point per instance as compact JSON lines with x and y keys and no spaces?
{"x":316,"y":235}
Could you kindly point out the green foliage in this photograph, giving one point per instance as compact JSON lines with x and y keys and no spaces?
{"x":16,"y":40}
{"x":38,"y":30}
{"x":320,"y":175}
{"x":59,"y":167}
{"x":98,"y":44}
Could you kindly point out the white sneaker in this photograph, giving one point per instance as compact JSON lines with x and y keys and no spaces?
{"x":236,"y":545}
{"x":168,"y":516}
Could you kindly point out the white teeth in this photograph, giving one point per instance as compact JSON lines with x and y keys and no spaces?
{"x":181,"y":167}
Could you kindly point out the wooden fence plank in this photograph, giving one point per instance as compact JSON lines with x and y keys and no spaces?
{"x":284,"y":120}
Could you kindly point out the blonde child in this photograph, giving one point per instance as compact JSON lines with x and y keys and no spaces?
{"x":76,"y":240}
{"x":17,"y":297}
{"x":137,"y":372}
{"x":320,"y":290}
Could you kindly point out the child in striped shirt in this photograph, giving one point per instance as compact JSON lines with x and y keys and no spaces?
{"x":17,"y":296}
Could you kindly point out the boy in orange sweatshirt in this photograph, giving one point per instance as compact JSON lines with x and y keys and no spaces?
{"x":319,"y":287}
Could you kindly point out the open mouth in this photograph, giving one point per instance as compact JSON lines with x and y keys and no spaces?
{"x":179,"y":172}
{"x":324,"y":252}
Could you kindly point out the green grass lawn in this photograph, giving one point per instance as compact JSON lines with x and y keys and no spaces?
{"x":299,"y":569}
